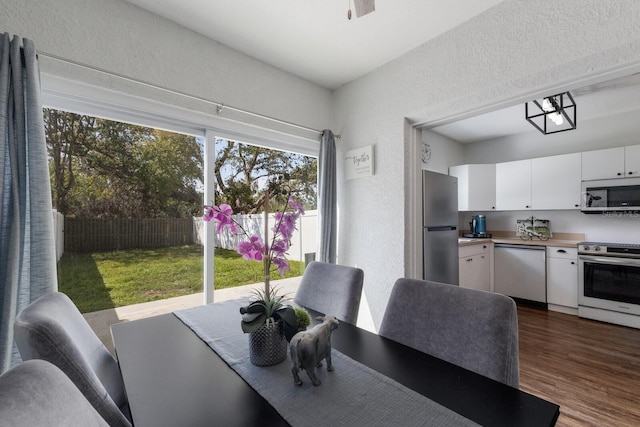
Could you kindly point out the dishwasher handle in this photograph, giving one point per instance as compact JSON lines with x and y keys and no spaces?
{"x":516,"y":246}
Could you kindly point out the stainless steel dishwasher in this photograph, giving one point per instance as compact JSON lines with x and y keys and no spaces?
{"x":520,"y":271}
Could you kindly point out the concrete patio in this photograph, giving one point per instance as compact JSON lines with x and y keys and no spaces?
{"x":101,"y":321}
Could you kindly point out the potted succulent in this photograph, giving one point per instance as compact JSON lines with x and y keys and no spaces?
{"x":303,"y":319}
{"x":268,"y":320}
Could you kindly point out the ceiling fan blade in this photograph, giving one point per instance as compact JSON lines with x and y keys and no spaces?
{"x":364,"y":6}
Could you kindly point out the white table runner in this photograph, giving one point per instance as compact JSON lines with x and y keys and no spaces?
{"x":353,"y":394}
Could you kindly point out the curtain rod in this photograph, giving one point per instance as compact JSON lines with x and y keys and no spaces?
{"x":219,"y":106}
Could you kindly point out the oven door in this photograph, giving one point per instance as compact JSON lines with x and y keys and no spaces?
{"x":610,"y":283}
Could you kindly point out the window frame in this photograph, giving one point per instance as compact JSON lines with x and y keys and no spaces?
{"x":133,"y":102}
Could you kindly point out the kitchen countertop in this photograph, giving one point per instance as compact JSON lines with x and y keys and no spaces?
{"x":563,"y":240}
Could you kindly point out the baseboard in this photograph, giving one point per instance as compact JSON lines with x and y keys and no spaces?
{"x":623,"y":319}
{"x":563,"y":309}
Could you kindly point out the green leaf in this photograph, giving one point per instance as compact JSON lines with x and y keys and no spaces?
{"x":288,"y":316}
{"x":248,"y":327}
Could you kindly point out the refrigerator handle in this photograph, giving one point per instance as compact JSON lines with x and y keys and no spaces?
{"x":442,"y":228}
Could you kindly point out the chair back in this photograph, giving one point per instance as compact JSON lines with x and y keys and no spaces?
{"x":36,"y":393}
{"x":53,"y":329}
{"x":474,"y":329}
{"x":331,"y":289}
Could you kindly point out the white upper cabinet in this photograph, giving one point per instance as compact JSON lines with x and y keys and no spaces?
{"x":632,"y":161}
{"x":476,"y":187}
{"x":604,"y":164}
{"x":555,"y":182}
{"x":513,"y":185}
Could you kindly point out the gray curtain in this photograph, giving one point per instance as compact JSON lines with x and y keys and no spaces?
{"x":27,"y":251}
{"x":327,"y":216}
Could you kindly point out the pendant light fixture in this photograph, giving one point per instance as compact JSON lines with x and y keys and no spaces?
{"x":552,"y":114}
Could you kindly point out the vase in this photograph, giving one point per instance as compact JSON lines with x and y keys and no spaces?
{"x":268,"y":345}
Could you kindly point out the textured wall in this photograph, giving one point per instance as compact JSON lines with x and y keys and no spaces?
{"x":513,"y":49}
{"x":516,"y":48}
{"x":116,"y":36}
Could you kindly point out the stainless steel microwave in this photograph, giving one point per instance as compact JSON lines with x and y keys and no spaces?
{"x":611,"y":195}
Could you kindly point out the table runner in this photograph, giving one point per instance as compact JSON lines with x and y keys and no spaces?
{"x":353,"y":394}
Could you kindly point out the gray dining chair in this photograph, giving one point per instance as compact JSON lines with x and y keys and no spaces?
{"x":474,"y":329}
{"x":331,"y":289}
{"x":36,"y":393}
{"x":52,"y":328}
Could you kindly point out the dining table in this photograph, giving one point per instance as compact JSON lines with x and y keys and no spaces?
{"x":178,"y":372}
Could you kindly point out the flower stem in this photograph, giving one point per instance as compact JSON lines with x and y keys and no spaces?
{"x":266,"y":259}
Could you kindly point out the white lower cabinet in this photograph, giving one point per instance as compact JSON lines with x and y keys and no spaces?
{"x":562,"y":276}
{"x":475,"y":266}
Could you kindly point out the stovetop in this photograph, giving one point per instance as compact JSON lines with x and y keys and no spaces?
{"x":628,"y":250}
{"x":477,"y":235}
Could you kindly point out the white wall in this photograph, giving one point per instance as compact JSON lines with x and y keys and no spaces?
{"x":445,"y":152}
{"x":123,"y":39}
{"x":611,"y":227}
{"x":514,"y":49}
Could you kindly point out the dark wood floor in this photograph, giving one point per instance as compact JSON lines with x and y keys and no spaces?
{"x":591,"y":369}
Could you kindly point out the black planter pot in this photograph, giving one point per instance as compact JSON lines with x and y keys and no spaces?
{"x":268,"y":345}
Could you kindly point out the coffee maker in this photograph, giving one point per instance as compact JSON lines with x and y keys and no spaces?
{"x":478,"y":227}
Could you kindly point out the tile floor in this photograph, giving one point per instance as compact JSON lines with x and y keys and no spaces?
{"x":101,"y":321}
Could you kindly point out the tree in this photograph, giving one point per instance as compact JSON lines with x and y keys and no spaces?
{"x":102,"y":168}
{"x":68,"y":136}
{"x":106,"y":169}
{"x":242,"y":170}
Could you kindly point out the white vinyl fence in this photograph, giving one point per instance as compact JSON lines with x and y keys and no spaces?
{"x":304,"y":239}
{"x":303,"y":245}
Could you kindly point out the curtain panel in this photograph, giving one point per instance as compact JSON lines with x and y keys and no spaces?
{"x":27,"y":250}
{"x":327,"y":199}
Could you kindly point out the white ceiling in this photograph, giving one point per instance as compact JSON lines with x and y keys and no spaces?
{"x":313,"y":39}
{"x":593,"y":102}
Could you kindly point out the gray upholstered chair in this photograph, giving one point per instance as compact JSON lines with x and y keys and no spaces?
{"x":331,"y":289}
{"x":474,"y":329}
{"x":52,"y":328}
{"x":38,"y":394}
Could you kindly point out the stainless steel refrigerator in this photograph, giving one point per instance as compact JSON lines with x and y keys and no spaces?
{"x":440,"y":227}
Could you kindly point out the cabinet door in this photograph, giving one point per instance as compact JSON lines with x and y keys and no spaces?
{"x":464,"y":265}
{"x":603,"y":164}
{"x":475,"y":272}
{"x":632,"y":160}
{"x":562,"y":282}
{"x":476,"y":186}
{"x":555,"y":182}
{"x":513,"y":185}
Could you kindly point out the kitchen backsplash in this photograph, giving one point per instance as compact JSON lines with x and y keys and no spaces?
{"x":608,"y":227}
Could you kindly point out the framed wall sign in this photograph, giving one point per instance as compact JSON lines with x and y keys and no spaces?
{"x":358,"y":163}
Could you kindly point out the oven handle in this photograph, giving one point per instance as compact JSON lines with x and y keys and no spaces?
{"x":610,"y":260}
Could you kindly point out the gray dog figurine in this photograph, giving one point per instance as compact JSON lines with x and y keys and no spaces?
{"x":308,"y":348}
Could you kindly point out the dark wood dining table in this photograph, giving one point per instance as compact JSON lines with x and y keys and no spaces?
{"x":173,"y":378}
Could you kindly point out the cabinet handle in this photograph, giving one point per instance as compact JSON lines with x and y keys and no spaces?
{"x":573,"y":263}
{"x":493,"y":207}
{"x":619,"y":173}
{"x":470,"y":259}
{"x":562,"y":251}
{"x":630,"y":173}
{"x":527,"y":206}
{"x":576,"y":205}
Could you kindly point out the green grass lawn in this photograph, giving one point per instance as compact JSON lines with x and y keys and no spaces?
{"x":98,"y":281}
